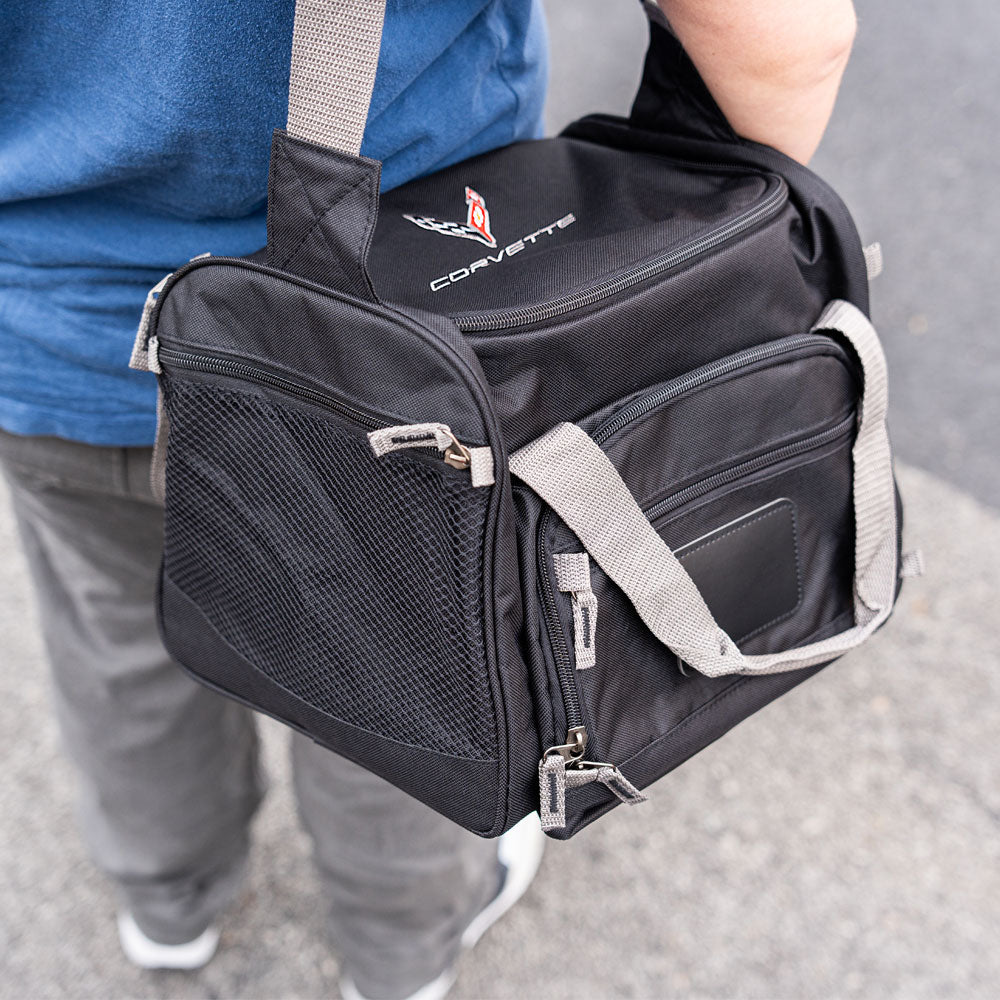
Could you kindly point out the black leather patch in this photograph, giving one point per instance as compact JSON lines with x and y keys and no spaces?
{"x":748,"y":570}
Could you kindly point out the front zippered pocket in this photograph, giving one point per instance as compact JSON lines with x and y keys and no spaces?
{"x":805,"y":344}
{"x":577,"y":735}
{"x":826,"y":426}
{"x":744,"y":469}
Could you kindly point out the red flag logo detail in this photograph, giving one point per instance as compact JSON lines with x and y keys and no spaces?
{"x":479,"y":216}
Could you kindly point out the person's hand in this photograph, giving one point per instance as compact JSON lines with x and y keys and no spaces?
{"x":773,"y":66}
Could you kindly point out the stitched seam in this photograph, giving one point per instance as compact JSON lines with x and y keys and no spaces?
{"x":739,"y":373}
{"x":242,"y":698}
{"x":798,"y":585}
{"x":495,"y":679}
{"x":319,"y":219}
{"x":271,"y":179}
{"x":732,"y":531}
{"x":331,"y":715}
{"x":298,"y":179}
{"x":735,"y":686}
{"x":591,"y":814}
{"x":689,"y":719}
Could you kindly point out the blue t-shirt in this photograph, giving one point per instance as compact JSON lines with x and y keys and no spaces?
{"x":135,"y":135}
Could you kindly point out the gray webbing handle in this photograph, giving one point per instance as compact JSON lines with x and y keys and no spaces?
{"x":335,"y":46}
{"x":575,"y":477}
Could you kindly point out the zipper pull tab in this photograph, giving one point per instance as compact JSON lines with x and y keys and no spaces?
{"x":560,"y":768}
{"x":141,"y":360}
{"x":573,"y":577}
{"x":479,"y":461}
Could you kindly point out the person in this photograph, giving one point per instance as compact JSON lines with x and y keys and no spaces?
{"x":134,"y":136}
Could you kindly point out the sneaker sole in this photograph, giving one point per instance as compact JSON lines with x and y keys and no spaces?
{"x":146,"y":953}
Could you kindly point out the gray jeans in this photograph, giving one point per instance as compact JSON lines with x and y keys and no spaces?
{"x":169,"y":776}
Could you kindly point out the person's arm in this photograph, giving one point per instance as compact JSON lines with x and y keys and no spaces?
{"x":773,"y":66}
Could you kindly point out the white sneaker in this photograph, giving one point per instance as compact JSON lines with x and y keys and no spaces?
{"x":519,"y":852}
{"x":149,"y":954}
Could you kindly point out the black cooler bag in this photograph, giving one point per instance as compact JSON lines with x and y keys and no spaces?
{"x":527,"y":481}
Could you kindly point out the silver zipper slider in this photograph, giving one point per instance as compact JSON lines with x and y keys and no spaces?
{"x":574,"y":747}
{"x":456,"y":454}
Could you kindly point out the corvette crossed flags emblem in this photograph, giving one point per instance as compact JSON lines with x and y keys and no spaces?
{"x":477,"y":225}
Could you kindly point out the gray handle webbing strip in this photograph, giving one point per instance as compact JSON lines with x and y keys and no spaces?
{"x":577,"y":479}
{"x":335,"y":46}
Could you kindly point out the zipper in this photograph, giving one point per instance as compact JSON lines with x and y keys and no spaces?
{"x":457,"y":455}
{"x":576,"y":733}
{"x":764,"y":210}
{"x":699,"y":377}
{"x":216,"y":364}
{"x":322,"y":398}
{"x":656,"y":511}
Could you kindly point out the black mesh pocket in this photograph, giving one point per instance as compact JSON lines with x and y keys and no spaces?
{"x":354,"y":583}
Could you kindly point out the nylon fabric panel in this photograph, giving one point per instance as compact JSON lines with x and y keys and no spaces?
{"x":660,"y":331}
{"x":747,"y":413}
{"x":825,"y":235}
{"x":626,"y":208}
{"x":515,"y":672}
{"x":634,"y":668}
{"x":318,"y":227}
{"x":361,"y":353}
{"x":545,"y":688}
{"x":692,"y":735}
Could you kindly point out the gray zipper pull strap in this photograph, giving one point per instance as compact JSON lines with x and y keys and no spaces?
{"x":144,"y":360}
{"x":144,"y":350}
{"x":912,"y":564}
{"x":479,"y":461}
{"x":555,"y":777}
{"x":573,"y":577}
{"x":873,"y":260}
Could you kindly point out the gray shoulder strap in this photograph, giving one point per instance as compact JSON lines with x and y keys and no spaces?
{"x":335,"y":47}
{"x":576,"y":478}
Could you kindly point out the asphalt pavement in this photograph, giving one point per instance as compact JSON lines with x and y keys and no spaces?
{"x":841,"y":843}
